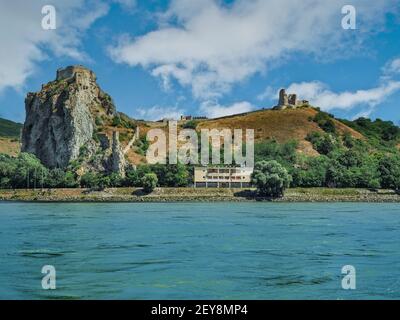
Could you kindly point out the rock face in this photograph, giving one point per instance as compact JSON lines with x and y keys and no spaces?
{"x":117,"y":155}
{"x":61,"y":120}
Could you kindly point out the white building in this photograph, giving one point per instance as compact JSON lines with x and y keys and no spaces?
{"x":222,"y":177}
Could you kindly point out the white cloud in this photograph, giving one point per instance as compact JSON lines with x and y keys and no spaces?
{"x":158,"y":113}
{"x":321,"y":96}
{"x":392,"y":67}
{"x":215,"y":110}
{"x":209,"y":46}
{"x":127,"y":4}
{"x":24,"y":42}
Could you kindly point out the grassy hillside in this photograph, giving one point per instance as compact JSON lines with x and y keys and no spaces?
{"x":10,"y":129}
{"x":9,"y":146}
{"x":279,"y":125}
{"x":379,"y":133}
{"x":9,"y":137}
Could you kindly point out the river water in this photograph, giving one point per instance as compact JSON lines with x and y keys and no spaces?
{"x":200,"y":250}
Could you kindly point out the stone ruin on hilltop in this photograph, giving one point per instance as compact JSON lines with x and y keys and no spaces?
{"x":61,"y":127}
{"x":289,"y":101}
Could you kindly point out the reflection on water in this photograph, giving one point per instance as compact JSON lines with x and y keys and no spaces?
{"x":200,"y":251}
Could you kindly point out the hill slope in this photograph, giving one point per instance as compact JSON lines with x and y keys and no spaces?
{"x":10,"y":129}
{"x":280,"y":125}
{"x":9,"y":137}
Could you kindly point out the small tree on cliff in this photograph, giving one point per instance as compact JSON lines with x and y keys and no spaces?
{"x":270,"y":178}
{"x":149,"y":182}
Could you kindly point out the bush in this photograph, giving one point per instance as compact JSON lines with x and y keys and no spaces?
{"x":116,"y":122}
{"x":142,"y":145}
{"x":271,"y":150}
{"x":115,"y":180}
{"x":323,"y":143}
{"x":325,"y":122}
{"x":70,"y":180}
{"x":132,"y":178}
{"x":389,"y":170}
{"x":55,"y":178}
{"x":192,"y":124}
{"x":311,"y":172}
{"x":270,"y":178}
{"x":149,"y":182}
{"x":95,"y":181}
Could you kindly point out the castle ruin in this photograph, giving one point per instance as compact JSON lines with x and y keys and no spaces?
{"x":289,"y":101}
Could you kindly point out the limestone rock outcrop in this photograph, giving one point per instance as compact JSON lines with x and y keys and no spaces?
{"x":62,"y":122}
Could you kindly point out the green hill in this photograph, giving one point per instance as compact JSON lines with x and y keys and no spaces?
{"x":10,"y":129}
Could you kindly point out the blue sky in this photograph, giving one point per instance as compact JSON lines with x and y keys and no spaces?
{"x":166,"y":58}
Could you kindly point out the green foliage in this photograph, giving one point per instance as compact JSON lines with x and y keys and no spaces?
{"x":132,"y":178}
{"x":389,"y":170}
{"x":123,"y":121}
{"x":116,"y":122}
{"x":172,"y":175}
{"x":95,"y":137}
{"x":325,"y":122}
{"x":167,"y":175}
{"x":9,"y":128}
{"x":55,"y":178}
{"x":95,"y":181}
{"x":70,"y":180}
{"x":310,"y":172}
{"x":191,"y":124}
{"x":90,"y":180}
{"x":149,"y":182}
{"x":323,"y":143}
{"x":99,"y":121}
{"x":379,"y":133}
{"x":271,"y":150}
{"x":270,"y":178}
{"x":116,"y":180}
{"x":348,"y":140}
{"x":142,"y":145}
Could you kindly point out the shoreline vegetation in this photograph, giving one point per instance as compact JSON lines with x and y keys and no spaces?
{"x":197,"y":195}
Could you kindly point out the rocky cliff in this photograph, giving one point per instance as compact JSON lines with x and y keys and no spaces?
{"x":63,"y":121}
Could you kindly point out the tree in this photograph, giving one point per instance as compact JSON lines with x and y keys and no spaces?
{"x":149,"y":182}
{"x":115,"y":180}
{"x":272,"y":150}
{"x":89,"y":180}
{"x":27,"y":171}
{"x":55,"y":178}
{"x":192,"y":124}
{"x":389,"y":170}
{"x":325,"y":122}
{"x":310,"y":172}
{"x":70,"y":180}
{"x":270,"y":178}
{"x":103,"y":182}
{"x":132,"y":178}
{"x":323,"y":143}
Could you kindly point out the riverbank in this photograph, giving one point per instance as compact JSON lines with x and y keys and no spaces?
{"x":196,"y":195}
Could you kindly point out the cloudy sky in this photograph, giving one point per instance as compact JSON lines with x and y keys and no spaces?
{"x":211,"y":57}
